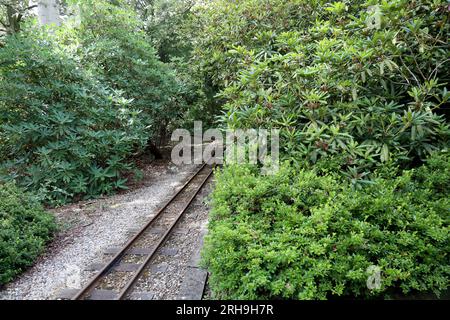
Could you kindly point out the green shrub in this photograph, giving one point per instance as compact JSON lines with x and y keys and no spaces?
{"x":24,"y":230}
{"x":63,"y":133}
{"x":77,"y":102}
{"x":334,"y":83}
{"x":299,"y":235}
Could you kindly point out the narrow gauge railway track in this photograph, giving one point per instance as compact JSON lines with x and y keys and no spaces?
{"x":165,"y":219}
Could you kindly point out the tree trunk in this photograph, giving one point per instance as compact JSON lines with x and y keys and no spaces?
{"x":13,"y":19}
{"x":153,"y":149}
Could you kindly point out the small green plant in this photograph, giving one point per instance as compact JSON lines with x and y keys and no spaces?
{"x":25,"y":228}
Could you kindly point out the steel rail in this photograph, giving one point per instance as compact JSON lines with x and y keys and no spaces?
{"x":130,"y":284}
{"x":110,"y":264}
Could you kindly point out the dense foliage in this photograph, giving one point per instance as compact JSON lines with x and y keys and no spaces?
{"x":62,"y":132}
{"x":78,"y":102}
{"x":24,"y":230}
{"x":357,"y":88}
{"x":300,"y":235}
{"x":110,"y":42}
{"x":359,"y":92}
{"x":362,"y":79}
{"x":174,"y":28}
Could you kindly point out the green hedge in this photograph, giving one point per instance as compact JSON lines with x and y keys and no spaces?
{"x":299,"y":235}
{"x":25,"y":227}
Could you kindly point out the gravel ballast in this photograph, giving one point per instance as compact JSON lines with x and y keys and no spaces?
{"x":89,"y":228}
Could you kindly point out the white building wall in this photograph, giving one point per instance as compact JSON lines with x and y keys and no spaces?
{"x":48,"y":12}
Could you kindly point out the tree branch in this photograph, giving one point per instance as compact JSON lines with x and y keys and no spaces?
{"x":31,"y":7}
{"x":3,"y":24}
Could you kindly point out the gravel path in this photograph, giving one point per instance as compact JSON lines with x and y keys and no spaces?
{"x":90,"y":228}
